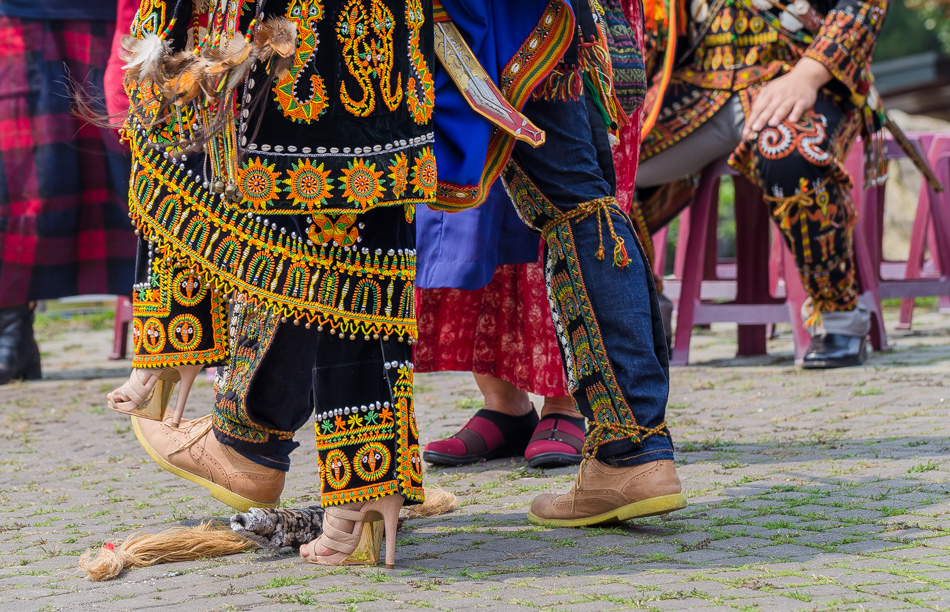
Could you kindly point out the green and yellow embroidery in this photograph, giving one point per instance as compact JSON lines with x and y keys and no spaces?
{"x":367,"y":47}
{"x":420,"y":89}
{"x":258,"y":182}
{"x":339,"y":229}
{"x":425,"y":178}
{"x":399,"y":174}
{"x":306,"y":14}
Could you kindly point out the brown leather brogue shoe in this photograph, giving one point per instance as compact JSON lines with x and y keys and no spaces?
{"x":604,"y":494}
{"x":192,"y":452}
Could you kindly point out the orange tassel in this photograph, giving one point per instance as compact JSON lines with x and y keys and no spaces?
{"x":620,"y":253}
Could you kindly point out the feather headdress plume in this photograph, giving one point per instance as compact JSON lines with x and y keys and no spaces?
{"x":210,"y":73}
{"x":217,"y":71}
{"x":277,"y":36}
{"x":188,"y":79}
{"x":145,"y":58}
{"x":231,"y":62}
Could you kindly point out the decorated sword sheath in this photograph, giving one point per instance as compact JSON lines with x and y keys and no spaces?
{"x":477,"y":87}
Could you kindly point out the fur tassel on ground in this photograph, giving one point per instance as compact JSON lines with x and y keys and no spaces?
{"x":209,"y":539}
{"x":438,"y":501}
{"x":259,"y":528}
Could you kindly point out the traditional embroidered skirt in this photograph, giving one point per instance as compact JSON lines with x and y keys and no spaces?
{"x":302,"y":203}
{"x":64,"y":228}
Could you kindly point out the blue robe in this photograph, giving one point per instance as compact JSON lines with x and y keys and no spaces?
{"x":462,"y":249}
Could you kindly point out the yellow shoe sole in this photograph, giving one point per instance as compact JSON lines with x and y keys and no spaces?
{"x":223,"y":495}
{"x":647,"y":507}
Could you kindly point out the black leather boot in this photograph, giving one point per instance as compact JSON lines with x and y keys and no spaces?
{"x":835,"y":351}
{"x":19,"y":354}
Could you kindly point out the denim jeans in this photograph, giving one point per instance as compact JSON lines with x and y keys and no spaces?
{"x":602,"y":296}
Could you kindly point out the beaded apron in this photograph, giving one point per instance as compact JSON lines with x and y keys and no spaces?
{"x":270,"y":206}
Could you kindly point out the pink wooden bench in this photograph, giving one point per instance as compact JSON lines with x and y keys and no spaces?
{"x":760,"y":288}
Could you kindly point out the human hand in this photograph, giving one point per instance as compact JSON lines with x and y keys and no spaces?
{"x":787,"y":97}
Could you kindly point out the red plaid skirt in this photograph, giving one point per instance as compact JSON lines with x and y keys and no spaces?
{"x":64,"y":226}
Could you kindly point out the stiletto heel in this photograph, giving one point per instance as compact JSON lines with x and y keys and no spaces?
{"x":149,"y":399}
{"x":187,"y":376}
{"x":362,"y":545}
{"x":392,"y":525}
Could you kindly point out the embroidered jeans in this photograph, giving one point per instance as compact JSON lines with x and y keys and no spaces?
{"x":603,"y":299}
{"x":798,"y":166}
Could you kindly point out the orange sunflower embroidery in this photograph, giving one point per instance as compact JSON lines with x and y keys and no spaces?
{"x":424,"y":176}
{"x":362,"y":183}
{"x":308,"y":186}
{"x":400,"y":174}
{"x":258,"y":182}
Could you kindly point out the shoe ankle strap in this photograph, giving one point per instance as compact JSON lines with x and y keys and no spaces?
{"x":338,"y":540}
{"x":345,"y":513}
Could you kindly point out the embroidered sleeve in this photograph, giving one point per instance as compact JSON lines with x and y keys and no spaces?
{"x":846,"y":40}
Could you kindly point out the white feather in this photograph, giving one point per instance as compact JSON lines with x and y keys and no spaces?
{"x":145,"y":56}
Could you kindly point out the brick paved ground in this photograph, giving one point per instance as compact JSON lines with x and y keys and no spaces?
{"x":808,"y":491}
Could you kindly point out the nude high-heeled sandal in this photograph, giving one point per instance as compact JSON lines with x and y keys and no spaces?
{"x":149,"y":399}
{"x":362,"y":545}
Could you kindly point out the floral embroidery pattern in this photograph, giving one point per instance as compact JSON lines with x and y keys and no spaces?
{"x":362,"y":183}
{"x":308,"y":186}
{"x":188,"y":289}
{"x":177,"y":317}
{"x":372,"y":461}
{"x":291,"y":276}
{"x":424,"y":176}
{"x":258,"y":182}
{"x":185,"y":332}
{"x":153,"y":336}
{"x":337,"y":469}
{"x":399,"y":174}
{"x":380,"y":437}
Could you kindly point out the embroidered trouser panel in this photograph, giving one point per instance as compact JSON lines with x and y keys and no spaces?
{"x":798,"y":167}
{"x":602,"y":294}
{"x":807,"y":192}
{"x":177,"y":316}
{"x":360,"y":387}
